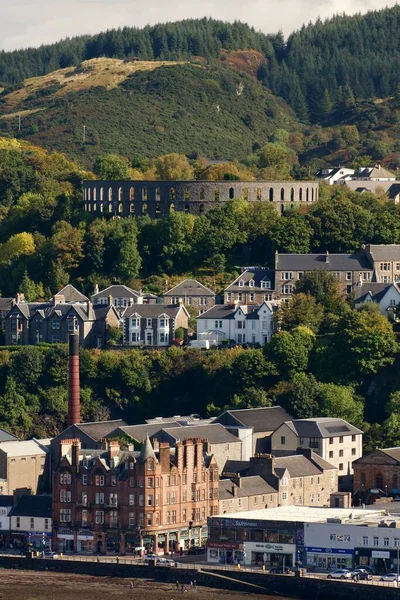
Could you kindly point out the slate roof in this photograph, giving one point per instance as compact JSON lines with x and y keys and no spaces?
{"x":214,"y":433}
{"x":189,"y":287}
{"x":139,"y":432}
{"x":261,"y":419}
{"x":322,"y":427}
{"x":376,"y":172}
{"x":116,"y":291}
{"x":313,"y":262}
{"x":394,"y":190}
{"x":147,"y":451}
{"x":392,"y":452}
{"x":6,"y":500}
{"x":377,"y":291}
{"x":384,"y":251}
{"x":251,"y":485}
{"x":236,"y":466}
{"x":101,"y":311}
{"x":71,"y":294}
{"x":227,"y":311}
{"x":299,"y":466}
{"x":33,"y":506}
{"x":257,"y":275}
{"x":97,"y":430}
{"x":152,"y":311}
{"x":6,"y":304}
{"x":5,"y":436}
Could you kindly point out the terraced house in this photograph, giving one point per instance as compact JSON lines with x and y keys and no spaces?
{"x":191,"y":293}
{"x":153,"y":324}
{"x":115,"y":501}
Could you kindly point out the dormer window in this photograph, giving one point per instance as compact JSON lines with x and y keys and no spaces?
{"x":251,"y":283}
{"x":55,"y":324}
{"x":241,"y":283}
{"x":266,"y":284}
{"x":150,"y":464}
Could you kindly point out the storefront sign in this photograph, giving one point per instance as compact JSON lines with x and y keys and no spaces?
{"x":223,"y":545}
{"x":85,"y":537}
{"x":65,"y":536}
{"x":328,"y":550}
{"x":380,"y":554}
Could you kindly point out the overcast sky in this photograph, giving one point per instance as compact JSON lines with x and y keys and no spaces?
{"x":34,"y":22}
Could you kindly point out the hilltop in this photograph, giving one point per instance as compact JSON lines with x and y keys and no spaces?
{"x":147,"y":108}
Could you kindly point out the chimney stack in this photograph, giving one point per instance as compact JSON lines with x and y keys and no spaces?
{"x":74,"y":409}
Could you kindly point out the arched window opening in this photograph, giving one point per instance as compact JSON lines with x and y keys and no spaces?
{"x":301,"y":194}
{"x":282,"y":195}
{"x":132,"y":194}
{"x":144,"y":208}
{"x":282,"y":209}
{"x":101,"y":207}
{"x":186,"y":194}
{"x":258,"y":193}
{"x":245,"y":194}
{"x":231,"y":193}
{"x":292,"y":206}
{"x":271,"y":194}
{"x":172,"y":207}
{"x":363,"y":478}
{"x":89,"y":207}
{"x":110,"y":208}
{"x":101,"y":194}
{"x":120,"y":194}
{"x":120,"y":208}
{"x":144,"y":194}
{"x":201,"y":209}
{"x":216,"y":194}
{"x":172,"y":194}
{"x":158,"y":194}
{"x":158,"y":208}
{"x":132,"y":208}
{"x":379,"y":481}
{"x":94,"y":194}
{"x":202,"y":194}
{"x":110,"y":194}
{"x":85,"y":194}
{"x":292,"y":195}
{"x":312,"y":195}
{"x":395,"y":482}
{"x":94,"y":207}
{"x":187,"y":208}
{"x":307,"y":195}
{"x":88,"y":194}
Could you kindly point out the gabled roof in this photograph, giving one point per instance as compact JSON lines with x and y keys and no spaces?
{"x":256,"y":275}
{"x":322,"y":427}
{"x":33,"y":506}
{"x":147,"y":451}
{"x":322,"y":262}
{"x":139,"y":432}
{"x":5,"y":436}
{"x":300,"y":466}
{"x":71,"y":294}
{"x":251,"y":485}
{"x":384,"y":251}
{"x":6,"y":500}
{"x":6,"y":303}
{"x":261,"y":419}
{"x":375,"y":291}
{"x":392,"y":452}
{"x":117,"y":291}
{"x":98,"y":430}
{"x":376,"y":172}
{"x":214,"y":433}
{"x":153,"y":311}
{"x":102,"y":310}
{"x":189,"y":287}
{"x":228,"y":311}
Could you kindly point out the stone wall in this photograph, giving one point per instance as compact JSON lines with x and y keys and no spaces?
{"x":159,"y":198}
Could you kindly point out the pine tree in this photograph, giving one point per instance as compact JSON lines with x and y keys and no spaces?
{"x":326,"y":105}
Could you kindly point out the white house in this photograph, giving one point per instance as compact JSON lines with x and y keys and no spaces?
{"x":153,"y":324}
{"x":31,"y":523}
{"x":333,"y":175}
{"x":387,"y":296}
{"x":242,"y":324}
{"x":6,"y":504}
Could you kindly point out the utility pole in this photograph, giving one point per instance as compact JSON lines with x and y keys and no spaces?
{"x":19,"y":122}
{"x":84,"y":134}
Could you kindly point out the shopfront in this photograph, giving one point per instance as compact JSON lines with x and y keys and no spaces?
{"x":270,"y":555}
{"x":85,"y":542}
{"x":65,"y":541}
{"x":381,"y":560}
{"x":113,"y":543}
{"x":225,"y":553}
{"x":325,"y":559}
{"x":132,"y":542}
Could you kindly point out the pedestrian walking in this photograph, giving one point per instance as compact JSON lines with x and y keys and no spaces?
{"x":182,"y":588}
{"x":177,"y":584}
{"x":191,"y":585}
{"x":131,"y":585}
{"x":194,"y":583}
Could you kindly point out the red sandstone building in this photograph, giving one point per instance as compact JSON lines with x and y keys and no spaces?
{"x":116,"y":500}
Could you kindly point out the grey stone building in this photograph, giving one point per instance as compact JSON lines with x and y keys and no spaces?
{"x":253,"y":286}
{"x":121,"y":296}
{"x":159,"y":198}
{"x":192,"y":294}
{"x":52,"y":322}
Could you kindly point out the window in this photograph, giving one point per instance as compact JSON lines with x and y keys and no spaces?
{"x":18,"y":522}
{"x":266,"y":285}
{"x":131,"y":499}
{"x":228,"y":296}
{"x":331,"y":454}
{"x":65,"y":515}
{"x":331,"y":440}
{"x":84,"y":499}
{"x":84,"y":518}
{"x":113,"y":499}
{"x":46,"y":523}
{"x":99,"y":480}
{"x":284,"y":481}
{"x":84,"y":479}
{"x":113,"y":480}
{"x":340,"y":453}
{"x":365,"y":540}
{"x":353,"y":451}
{"x":348,"y":276}
{"x":65,"y":478}
{"x":149,"y":519}
{"x":99,"y":498}
{"x":287,"y":275}
{"x":340,"y":466}
{"x":312,"y":481}
{"x":241,"y":283}
{"x":32,"y":523}
{"x":150,"y":500}
{"x":252,"y":296}
{"x":332,"y":537}
{"x":218,"y":324}
{"x":131,"y":517}
{"x":240,"y":324}
{"x":283,"y":440}
{"x":99,"y":517}
{"x":148,"y":322}
{"x":385,"y":266}
{"x":284,"y":496}
{"x":353,"y":438}
{"x":366,"y":275}
{"x":386,"y":541}
{"x":341,"y":440}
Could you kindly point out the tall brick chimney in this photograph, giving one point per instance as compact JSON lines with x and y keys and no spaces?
{"x":74,"y":408}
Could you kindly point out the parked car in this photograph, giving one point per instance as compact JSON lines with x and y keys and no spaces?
{"x":367,"y":568}
{"x":196,"y":550}
{"x":202,"y":344}
{"x":165,"y":562}
{"x":361,"y":575}
{"x":393,"y":577}
{"x":339,"y":574}
{"x":50,"y":554}
{"x":150,"y":557}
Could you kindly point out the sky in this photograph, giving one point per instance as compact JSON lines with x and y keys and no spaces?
{"x":26,"y":23}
